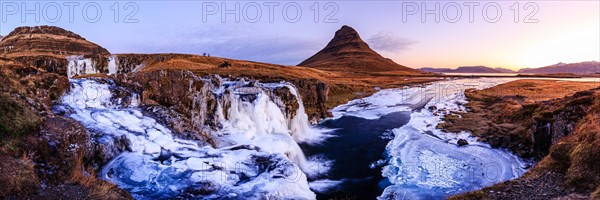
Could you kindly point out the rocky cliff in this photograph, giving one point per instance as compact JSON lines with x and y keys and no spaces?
{"x":347,"y":51}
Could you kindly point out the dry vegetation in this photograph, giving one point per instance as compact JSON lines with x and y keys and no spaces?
{"x":17,"y":176}
{"x":96,"y":188}
{"x":536,"y":90}
{"x":504,"y":115}
{"x":570,"y":170}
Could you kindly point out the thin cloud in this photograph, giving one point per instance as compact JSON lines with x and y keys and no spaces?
{"x":386,"y":41}
{"x":235,"y":44}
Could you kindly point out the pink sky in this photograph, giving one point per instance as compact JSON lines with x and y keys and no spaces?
{"x":566,"y":31}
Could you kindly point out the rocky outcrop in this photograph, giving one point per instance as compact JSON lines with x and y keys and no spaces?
{"x":347,"y":51}
{"x":555,"y":120}
{"x":134,"y":62}
{"x":314,"y":95}
{"x":181,"y":91}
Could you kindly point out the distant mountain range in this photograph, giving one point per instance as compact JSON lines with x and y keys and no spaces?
{"x":590,"y":67}
{"x":468,"y":69}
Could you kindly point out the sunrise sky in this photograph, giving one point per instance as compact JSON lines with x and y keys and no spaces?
{"x":560,"y":31}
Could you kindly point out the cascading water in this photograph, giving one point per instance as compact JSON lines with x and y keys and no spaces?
{"x":78,"y":65}
{"x":250,"y":115}
{"x":112,"y":64}
{"x":257,"y":155}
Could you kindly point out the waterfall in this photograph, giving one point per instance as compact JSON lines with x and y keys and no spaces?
{"x":78,"y":65}
{"x":112,"y":64}
{"x":257,"y":156}
{"x":253,"y":114}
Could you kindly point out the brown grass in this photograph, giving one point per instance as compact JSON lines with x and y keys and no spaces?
{"x":537,"y":90}
{"x":596,"y":193}
{"x":97,"y":189}
{"x":572,"y":166}
{"x":17,"y":176}
{"x":16,"y":118}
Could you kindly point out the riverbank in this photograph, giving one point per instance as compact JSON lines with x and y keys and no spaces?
{"x":555,"y":122}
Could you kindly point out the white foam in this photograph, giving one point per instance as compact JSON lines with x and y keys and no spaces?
{"x":325,"y":185}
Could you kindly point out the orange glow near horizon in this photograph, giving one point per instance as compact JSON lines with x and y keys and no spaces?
{"x":570,"y":37}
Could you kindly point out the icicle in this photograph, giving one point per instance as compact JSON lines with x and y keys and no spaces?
{"x":112,"y":65}
{"x":78,"y":65}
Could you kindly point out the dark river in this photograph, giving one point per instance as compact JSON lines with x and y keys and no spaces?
{"x":357,"y":143}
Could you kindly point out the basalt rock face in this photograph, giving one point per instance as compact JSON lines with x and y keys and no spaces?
{"x":189,"y":97}
{"x":560,"y":119}
{"x":347,"y":51}
{"x":134,"y":62}
{"x":314,"y":96}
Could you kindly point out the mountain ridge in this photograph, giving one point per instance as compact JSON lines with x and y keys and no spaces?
{"x":468,"y":69}
{"x":589,"y":67}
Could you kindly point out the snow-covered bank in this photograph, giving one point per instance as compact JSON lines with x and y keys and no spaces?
{"x":424,"y":162}
{"x":257,"y":156}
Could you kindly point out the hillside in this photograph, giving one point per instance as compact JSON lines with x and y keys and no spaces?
{"x":504,"y":70}
{"x":590,"y":67}
{"x":554,"y":122}
{"x":347,"y":51}
{"x":47,"y":48}
{"x":46,"y":41}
